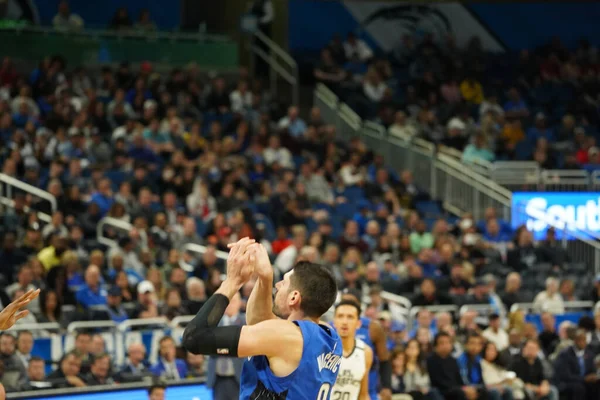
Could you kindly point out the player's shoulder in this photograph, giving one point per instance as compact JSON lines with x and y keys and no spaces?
{"x":360,"y":344}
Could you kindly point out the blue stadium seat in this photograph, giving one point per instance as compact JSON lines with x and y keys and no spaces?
{"x":116,"y":177}
{"x":345,"y":210}
{"x":354,"y":194}
{"x":429,"y":209}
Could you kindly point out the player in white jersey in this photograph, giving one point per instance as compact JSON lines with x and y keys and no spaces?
{"x":353,"y":379}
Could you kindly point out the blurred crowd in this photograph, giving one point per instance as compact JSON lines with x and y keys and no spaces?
{"x":183,"y":160}
{"x":539,"y":105}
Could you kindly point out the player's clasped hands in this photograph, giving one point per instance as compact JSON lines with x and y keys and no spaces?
{"x":241,"y":260}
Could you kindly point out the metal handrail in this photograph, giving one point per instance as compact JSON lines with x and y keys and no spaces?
{"x":198,"y":248}
{"x":277,"y":49}
{"x":274,"y":49}
{"x":125,"y":325}
{"x":45,"y":326}
{"x":476,"y":307}
{"x":26,"y":187}
{"x":11,"y":203}
{"x":129,"y":33}
{"x":503,"y":193}
{"x":74,"y":326}
{"x":567,"y":304}
{"x":115,"y":223}
{"x":182,"y":319}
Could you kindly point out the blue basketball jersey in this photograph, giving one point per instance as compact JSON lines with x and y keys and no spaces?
{"x":363,"y":334}
{"x":314,"y":377}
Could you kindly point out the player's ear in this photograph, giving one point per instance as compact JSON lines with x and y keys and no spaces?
{"x":294,"y":298}
{"x":359,"y":324}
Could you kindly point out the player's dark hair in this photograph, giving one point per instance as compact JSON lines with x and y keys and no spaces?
{"x":317,"y":286}
{"x":156,"y":386}
{"x":439,"y":336}
{"x":350,"y":303}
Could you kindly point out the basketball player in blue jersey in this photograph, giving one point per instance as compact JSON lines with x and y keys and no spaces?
{"x":372,"y":333}
{"x":291,"y":356}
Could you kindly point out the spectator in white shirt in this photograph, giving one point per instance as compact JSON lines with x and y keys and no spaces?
{"x":373,"y":86}
{"x":241,"y":98}
{"x":550,"y":300}
{"x":495,"y":334}
{"x":24,"y":283}
{"x":490,"y":104}
{"x":65,"y":20}
{"x":350,"y":173}
{"x":401,"y":128}
{"x":286,"y":259}
{"x":277,"y":154}
{"x":25,"y":97}
{"x":293,"y":123}
{"x":356,"y":49}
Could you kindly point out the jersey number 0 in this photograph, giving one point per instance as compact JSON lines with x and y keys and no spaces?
{"x":324,"y":393}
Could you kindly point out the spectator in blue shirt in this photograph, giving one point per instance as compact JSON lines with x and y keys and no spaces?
{"x":540,"y":130}
{"x":515,"y":107}
{"x":140,"y":152}
{"x":493,"y":233}
{"x":469,"y":364}
{"x":115,"y":308}
{"x":293,"y":123}
{"x":91,"y":294}
{"x":103,"y":198}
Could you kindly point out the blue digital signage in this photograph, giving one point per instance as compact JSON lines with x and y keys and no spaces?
{"x":574,"y":213}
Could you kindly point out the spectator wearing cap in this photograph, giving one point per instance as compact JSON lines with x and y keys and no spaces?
{"x":147,"y":304}
{"x":115,"y":308}
{"x":495,"y":334}
{"x":456,"y":134}
{"x":550,"y":299}
{"x":91,"y":293}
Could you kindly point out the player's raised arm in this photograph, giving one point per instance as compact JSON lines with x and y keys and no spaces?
{"x":271,"y":338}
{"x":364,"y":384}
{"x":201,"y":335}
{"x":260,"y":303}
